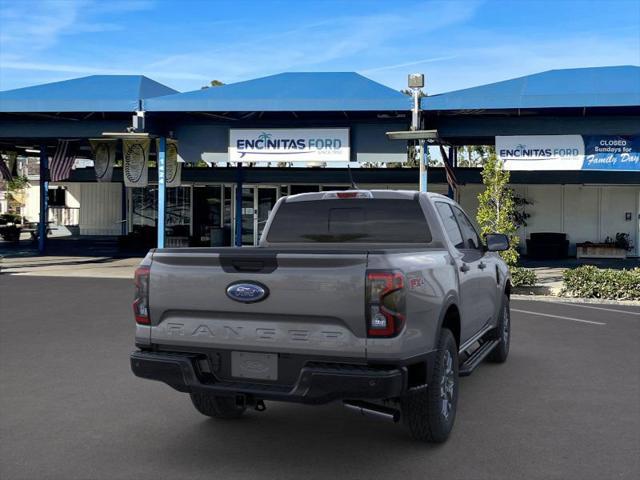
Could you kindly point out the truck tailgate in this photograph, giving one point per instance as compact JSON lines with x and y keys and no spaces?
{"x":315,"y":302}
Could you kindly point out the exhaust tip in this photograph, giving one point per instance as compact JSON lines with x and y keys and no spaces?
{"x":372,"y":410}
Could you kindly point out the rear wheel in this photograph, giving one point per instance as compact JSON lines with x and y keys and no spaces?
{"x":430,"y":412}
{"x":503,"y":333}
{"x":216,"y":406}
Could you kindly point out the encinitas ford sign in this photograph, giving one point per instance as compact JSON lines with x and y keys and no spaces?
{"x":569,"y":152}
{"x":289,"y":145}
{"x":541,"y":152}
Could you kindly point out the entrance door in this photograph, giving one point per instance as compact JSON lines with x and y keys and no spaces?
{"x":257,"y":203}
{"x":248,"y":213}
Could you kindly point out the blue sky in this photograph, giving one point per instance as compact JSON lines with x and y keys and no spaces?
{"x":184,"y":44}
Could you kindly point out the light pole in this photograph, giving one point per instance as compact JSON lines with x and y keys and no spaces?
{"x":416,"y":83}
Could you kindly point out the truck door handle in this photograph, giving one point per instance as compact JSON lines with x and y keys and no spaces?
{"x":482,"y":265}
{"x":464,"y":268}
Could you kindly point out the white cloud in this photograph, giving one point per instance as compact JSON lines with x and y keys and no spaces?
{"x":314,"y":46}
{"x":89,"y":70}
{"x":408,"y":64}
{"x":30,"y":27}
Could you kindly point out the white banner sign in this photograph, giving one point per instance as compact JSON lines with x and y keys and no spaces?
{"x":104,"y":157}
{"x":136,"y":162}
{"x":541,"y":152}
{"x":289,"y":145}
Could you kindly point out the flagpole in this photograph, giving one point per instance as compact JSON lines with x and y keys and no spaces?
{"x":416,"y":82}
{"x":44,"y":199}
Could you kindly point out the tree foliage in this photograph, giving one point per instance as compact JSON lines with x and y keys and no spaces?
{"x":474,"y":155}
{"x":496,"y":211}
{"x":213,"y":83}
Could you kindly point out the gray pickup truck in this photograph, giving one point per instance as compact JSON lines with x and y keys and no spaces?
{"x":378,"y":299}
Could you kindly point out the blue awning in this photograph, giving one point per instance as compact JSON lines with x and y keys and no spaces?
{"x":288,"y":92}
{"x":577,"y":87}
{"x":96,"y":93}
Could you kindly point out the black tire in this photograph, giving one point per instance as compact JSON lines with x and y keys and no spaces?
{"x":215,"y":406}
{"x":423,"y":410}
{"x":503,"y":333}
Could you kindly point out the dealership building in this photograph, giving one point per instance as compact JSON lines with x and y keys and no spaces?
{"x":571,"y":139}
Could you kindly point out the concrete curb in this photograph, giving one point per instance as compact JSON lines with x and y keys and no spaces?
{"x":556,"y":299}
{"x":536,"y":290}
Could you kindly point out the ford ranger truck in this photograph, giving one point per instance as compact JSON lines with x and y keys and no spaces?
{"x":376,"y":299}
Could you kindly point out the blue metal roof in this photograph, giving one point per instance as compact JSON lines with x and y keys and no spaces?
{"x":306,"y":91}
{"x":96,"y":93}
{"x":577,"y":87}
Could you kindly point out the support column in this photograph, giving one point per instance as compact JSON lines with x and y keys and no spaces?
{"x":124,"y":211}
{"x":162,"y":190}
{"x":238,"y":209}
{"x":44,"y":199}
{"x":450,"y":161}
{"x":454,"y":167}
{"x":423,"y":165}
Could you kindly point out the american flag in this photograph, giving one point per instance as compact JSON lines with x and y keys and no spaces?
{"x":448,"y":169}
{"x":4,"y":170}
{"x":62,"y":160}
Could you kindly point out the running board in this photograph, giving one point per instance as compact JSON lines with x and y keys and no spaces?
{"x":476,"y":357}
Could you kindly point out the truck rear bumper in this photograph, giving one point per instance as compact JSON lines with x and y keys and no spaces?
{"x":317,"y":383}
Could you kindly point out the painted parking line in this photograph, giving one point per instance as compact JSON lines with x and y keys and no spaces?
{"x":628,"y":312}
{"x":558,"y":316}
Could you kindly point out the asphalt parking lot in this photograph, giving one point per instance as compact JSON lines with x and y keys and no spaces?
{"x":566,"y":404}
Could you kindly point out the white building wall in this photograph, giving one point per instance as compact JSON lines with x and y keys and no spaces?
{"x":100,"y":208}
{"x":615,"y":202}
{"x":583,"y":212}
{"x":31,"y":208}
{"x":580,"y":214}
{"x":73,"y":195}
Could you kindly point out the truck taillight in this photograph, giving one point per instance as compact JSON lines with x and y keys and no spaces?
{"x":385,"y":303}
{"x":141,"y":298}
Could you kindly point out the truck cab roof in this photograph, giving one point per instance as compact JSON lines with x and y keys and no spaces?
{"x":359,"y":193}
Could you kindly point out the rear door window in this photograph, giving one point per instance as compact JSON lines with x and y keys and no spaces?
{"x":469,"y":234}
{"x":450,"y":225}
{"x":367,"y":220}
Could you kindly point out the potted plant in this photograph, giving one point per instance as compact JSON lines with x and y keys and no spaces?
{"x":617,"y":247}
{"x":10,"y":227}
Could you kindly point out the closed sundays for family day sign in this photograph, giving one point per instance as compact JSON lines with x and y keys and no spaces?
{"x":289,"y":145}
{"x":569,"y":152}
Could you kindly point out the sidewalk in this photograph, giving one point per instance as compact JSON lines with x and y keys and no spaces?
{"x":549,"y":272}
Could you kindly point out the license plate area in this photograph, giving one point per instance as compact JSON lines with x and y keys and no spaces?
{"x":255,"y":366}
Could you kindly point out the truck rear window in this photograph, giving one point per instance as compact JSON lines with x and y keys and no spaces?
{"x":367,"y":220}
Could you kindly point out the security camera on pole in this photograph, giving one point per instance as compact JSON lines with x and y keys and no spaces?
{"x":416,"y":83}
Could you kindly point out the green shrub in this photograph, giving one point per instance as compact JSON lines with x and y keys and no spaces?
{"x":592,"y":282}
{"x":522,"y":277}
{"x":6,"y":218}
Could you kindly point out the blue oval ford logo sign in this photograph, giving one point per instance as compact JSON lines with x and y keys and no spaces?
{"x":247,"y":292}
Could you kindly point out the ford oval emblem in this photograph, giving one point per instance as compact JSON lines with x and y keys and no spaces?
{"x":247,"y":292}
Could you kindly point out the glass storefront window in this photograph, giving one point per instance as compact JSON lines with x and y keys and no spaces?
{"x":144,"y":207}
{"x":228,"y":206}
{"x":178,"y":206}
{"x":144,"y":213}
{"x":207,"y":216}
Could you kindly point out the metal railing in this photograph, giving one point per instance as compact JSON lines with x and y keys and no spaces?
{"x":64,"y":215}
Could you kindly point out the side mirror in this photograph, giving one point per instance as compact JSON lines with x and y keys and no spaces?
{"x":497,"y":242}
